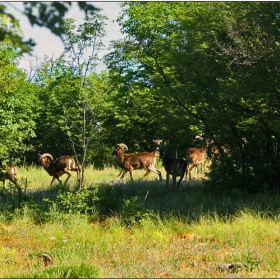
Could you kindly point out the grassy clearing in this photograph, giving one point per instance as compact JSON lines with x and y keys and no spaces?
{"x":152,"y":232}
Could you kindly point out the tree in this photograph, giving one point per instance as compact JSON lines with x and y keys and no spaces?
{"x":144,"y":64}
{"x":72,"y":88}
{"x":19,"y":106}
{"x":251,"y":49}
{"x":214,"y":68}
{"x":44,"y":14}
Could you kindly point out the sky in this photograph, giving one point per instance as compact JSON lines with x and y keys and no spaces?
{"x":51,"y":45}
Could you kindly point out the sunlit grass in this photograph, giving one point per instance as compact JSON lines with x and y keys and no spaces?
{"x":193,"y":233}
{"x":36,"y":177}
{"x":154,"y":249}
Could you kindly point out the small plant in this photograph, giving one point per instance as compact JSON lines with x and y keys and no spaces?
{"x":30,"y":210}
{"x":16,"y":195}
{"x":134,"y":212}
{"x":108,"y":202}
{"x":82,"y":202}
{"x":252,"y":260}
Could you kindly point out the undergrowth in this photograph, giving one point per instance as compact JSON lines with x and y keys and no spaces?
{"x":137,"y":230}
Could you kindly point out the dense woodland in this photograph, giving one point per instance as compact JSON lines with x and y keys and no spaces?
{"x":183,"y":69}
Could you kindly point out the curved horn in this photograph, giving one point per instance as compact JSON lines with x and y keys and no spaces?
{"x":47,"y":155}
{"x":198,"y":137}
{"x":123,"y":146}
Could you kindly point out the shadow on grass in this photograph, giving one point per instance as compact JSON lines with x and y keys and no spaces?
{"x":195,"y":200}
{"x":192,"y":201}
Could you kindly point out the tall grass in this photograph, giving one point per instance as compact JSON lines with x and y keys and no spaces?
{"x":148,"y":232}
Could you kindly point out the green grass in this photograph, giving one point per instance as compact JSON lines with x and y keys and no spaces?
{"x":148,"y":232}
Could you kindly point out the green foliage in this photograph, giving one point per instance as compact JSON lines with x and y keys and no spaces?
{"x":11,"y":33}
{"x":207,"y":68}
{"x":102,"y":202}
{"x":73,"y":92}
{"x":15,"y":196}
{"x":30,"y":211}
{"x":251,"y":260}
{"x":134,"y":212}
{"x":108,"y":202}
{"x":19,"y":106}
{"x":184,"y":68}
{"x":44,"y":14}
{"x":83,"y":202}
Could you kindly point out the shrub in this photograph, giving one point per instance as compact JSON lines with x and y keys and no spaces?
{"x":83,"y":202}
{"x":108,"y":201}
{"x":134,"y":212}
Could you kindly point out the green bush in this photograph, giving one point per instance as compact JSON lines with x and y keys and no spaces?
{"x":30,"y":211}
{"x":134,"y":212}
{"x":108,"y":201}
{"x":83,"y":202}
